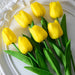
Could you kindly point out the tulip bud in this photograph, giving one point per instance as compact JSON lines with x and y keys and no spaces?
{"x":56,"y":10}
{"x":24,"y":45}
{"x":8,"y":36}
{"x":38,"y":9}
{"x":38,"y":33}
{"x":23,"y":18}
{"x":55,"y":30}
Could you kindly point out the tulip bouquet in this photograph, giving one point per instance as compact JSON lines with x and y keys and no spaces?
{"x":34,"y":50}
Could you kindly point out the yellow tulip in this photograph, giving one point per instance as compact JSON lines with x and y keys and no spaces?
{"x":38,"y":9}
{"x":55,"y":30}
{"x":56,"y":10}
{"x":24,"y":45}
{"x":38,"y":33}
{"x":8,"y":36}
{"x":23,"y":18}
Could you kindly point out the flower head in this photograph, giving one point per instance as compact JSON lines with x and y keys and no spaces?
{"x":55,"y":30}
{"x":8,"y":36}
{"x":24,"y":45}
{"x":23,"y":18}
{"x":38,"y":33}
{"x":56,"y":10}
{"x":38,"y":9}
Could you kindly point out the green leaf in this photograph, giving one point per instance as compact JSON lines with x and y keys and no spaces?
{"x":38,"y":71}
{"x":53,"y":61}
{"x":59,"y":43}
{"x":31,"y":25}
{"x":31,"y":55}
{"x":44,"y":23}
{"x":41,"y":60}
{"x":46,"y":46}
{"x":35,"y":64}
{"x":68,"y":59}
{"x":64,"y":28}
{"x":58,"y":51}
{"x":20,"y":56}
{"x":65,"y":37}
{"x":41,"y":46}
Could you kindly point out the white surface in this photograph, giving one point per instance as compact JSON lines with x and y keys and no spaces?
{"x":16,"y":61}
{"x":3,"y":3}
{"x":1,"y":71}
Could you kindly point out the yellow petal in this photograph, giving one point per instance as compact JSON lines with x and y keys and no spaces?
{"x":55,"y":30}
{"x":56,"y":10}
{"x":8,"y":36}
{"x":38,"y":33}
{"x":23,"y":18}
{"x":24,"y":45}
{"x":38,"y":9}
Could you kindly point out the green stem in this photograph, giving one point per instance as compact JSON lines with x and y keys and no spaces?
{"x":44,"y":23}
{"x":32,"y":24}
{"x":59,"y":43}
{"x":32,"y":57}
{"x":58,"y":40}
{"x":16,"y":47}
{"x":45,"y":44}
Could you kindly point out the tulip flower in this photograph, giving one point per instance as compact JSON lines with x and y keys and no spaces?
{"x":38,"y":9}
{"x":38,"y":33}
{"x":24,"y":45}
{"x":8,"y":36}
{"x":56,"y":10}
{"x":55,"y":30}
{"x":23,"y":18}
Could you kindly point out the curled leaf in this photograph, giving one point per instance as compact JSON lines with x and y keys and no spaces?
{"x":20,"y":56}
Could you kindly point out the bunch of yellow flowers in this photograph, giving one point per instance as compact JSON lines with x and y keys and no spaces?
{"x":39,"y":34}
